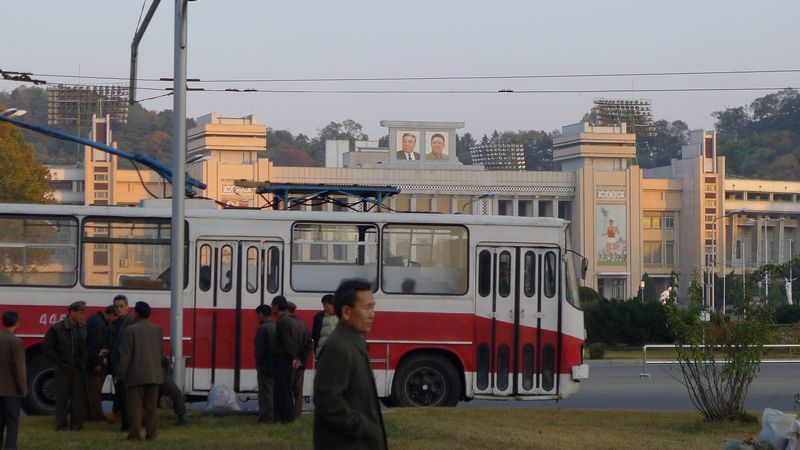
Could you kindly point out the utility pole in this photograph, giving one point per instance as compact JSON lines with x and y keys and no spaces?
{"x":177,"y":253}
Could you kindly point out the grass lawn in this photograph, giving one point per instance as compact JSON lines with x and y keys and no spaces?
{"x":445,"y":428}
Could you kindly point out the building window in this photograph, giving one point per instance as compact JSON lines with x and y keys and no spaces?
{"x":651,"y":252}
{"x":525,"y":208}
{"x":101,"y":195}
{"x":565,"y":210}
{"x":101,"y":177}
{"x":669,"y":253}
{"x":651,"y":221}
{"x":711,"y":187}
{"x":738,"y":249}
{"x":505,"y":207}
{"x":669,"y":221}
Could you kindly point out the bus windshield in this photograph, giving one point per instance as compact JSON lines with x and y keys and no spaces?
{"x":574,"y":263}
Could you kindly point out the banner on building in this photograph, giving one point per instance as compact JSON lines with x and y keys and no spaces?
{"x":611,"y":231}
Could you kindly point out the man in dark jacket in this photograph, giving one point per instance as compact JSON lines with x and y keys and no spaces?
{"x":13,"y":381}
{"x":120,"y":397}
{"x":347,"y":414}
{"x":65,"y":345}
{"x":287,"y":359}
{"x":96,"y":348}
{"x":140,"y":370}
{"x":303,"y":342}
{"x":265,"y":349}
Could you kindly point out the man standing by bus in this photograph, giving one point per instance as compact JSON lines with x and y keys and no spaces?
{"x":13,"y":380}
{"x":123,"y":320}
{"x":324,"y":323}
{"x":347,"y":414}
{"x":65,"y":345}
{"x":303,"y":342}
{"x":140,"y":371}
{"x":286,"y":360}
{"x":96,"y":348}
{"x":265,"y":352}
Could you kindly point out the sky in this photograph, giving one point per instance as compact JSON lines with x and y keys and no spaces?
{"x":256,"y":39}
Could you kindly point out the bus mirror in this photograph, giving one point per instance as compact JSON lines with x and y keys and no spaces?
{"x":584,"y":268}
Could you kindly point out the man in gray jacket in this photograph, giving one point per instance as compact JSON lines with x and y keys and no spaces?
{"x":13,"y":381}
{"x":140,"y":370}
{"x":65,"y":345}
{"x":347,"y":414}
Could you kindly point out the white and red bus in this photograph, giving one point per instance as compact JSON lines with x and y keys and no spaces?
{"x":468,"y":306}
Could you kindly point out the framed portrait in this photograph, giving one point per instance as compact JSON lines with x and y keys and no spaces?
{"x":437,"y":146}
{"x":408,"y":145}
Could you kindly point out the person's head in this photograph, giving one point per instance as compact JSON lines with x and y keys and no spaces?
{"x":110,"y":313}
{"x":263,"y":312}
{"x":437,"y":144}
{"x":280,"y":304}
{"x":292,"y":307}
{"x":75,"y":311}
{"x":409,"y":142}
{"x":142,"y":310}
{"x":409,"y":286}
{"x":355,"y":305}
{"x":121,"y":302}
{"x":611,"y":221}
{"x":327,"y":304}
{"x":10,"y":320}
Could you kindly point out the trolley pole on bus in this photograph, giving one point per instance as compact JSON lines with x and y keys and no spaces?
{"x":178,"y":194}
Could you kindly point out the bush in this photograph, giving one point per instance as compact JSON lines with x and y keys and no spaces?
{"x":588,"y":295}
{"x":787,"y":314}
{"x":629,"y":322}
{"x":597,"y":350}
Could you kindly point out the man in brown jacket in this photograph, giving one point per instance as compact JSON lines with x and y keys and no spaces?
{"x":65,"y":345}
{"x":13,"y":382}
{"x":140,"y":371}
{"x":347,"y":414}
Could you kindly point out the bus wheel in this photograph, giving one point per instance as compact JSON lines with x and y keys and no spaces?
{"x":41,"y":397}
{"x":426,"y":380}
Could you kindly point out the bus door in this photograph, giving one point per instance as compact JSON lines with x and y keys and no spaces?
{"x":496,"y":309}
{"x":517,"y":313}
{"x":226,"y":294}
{"x":538,"y":321}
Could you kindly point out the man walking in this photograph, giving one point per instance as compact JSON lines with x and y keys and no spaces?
{"x":65,"y":345}
{"x":13,"y":381}
{"x":96,"y":348}
{"x":123,"y":321}
{"x":286,"y":360}
{"x":171,"y":390}
{"x":265,"y":352}
{"x":140,"y":371}
{"x":347,"y":414}
{"x":324,"y":323}
{"x":303,"y":343}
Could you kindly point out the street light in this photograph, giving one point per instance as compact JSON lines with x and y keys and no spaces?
{"x":713,"y":261}
{"x":13,"y":112}
{"x":485,"y":195}
{"x":641,"y":291}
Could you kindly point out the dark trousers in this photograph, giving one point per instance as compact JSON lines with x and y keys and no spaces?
{"x":92,"y":406}
{"x":9,"y":421}
{"x":142,"y":404}
{"x":121,"y":402}
{"x":171,"y":390}
{"x":69,"y":394}
{"x":265,"y":384}
{"x":284,"y":404}
{"x":297,"y":391}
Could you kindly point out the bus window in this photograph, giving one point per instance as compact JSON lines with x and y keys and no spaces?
{"x":424,"y":259}
{"x":527,"y":366}
{"x":504,"y":277}
{"x":128,"y":253}
{"x":530,"y":274}
{"x":550,"y":274}
{"x":204,"y":277}
{"x":502,"y":367}
{"x":324,"y":254}
{"x":273,"y":272}
{"x":548,"y":367}
{"x":225,"y":269}
{"x":484,"y":273}
{"x":252,"y":269}
{"x":38,"y":250}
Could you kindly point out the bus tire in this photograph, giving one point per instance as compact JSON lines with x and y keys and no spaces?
{"x":426,"y":380}
{"x":41,"y":399}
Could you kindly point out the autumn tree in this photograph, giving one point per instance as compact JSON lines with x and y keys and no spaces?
{"x":22,"y":178}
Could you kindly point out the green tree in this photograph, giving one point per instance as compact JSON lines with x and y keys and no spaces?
{"x":22,"y":178}
{"x":658,"y":150}
{"x":719,"y":359}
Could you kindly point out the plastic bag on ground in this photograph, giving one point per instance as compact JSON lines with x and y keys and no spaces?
{"x":221,"y":400}
{"x":781,"y":430}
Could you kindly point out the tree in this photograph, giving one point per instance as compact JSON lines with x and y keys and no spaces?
{"x":659,"y":150}
{"x":22,"y":178}
{"x":719,"y":359}
{"x":464,"y":146}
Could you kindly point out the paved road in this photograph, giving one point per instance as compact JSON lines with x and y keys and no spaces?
{"x":618,"y":386}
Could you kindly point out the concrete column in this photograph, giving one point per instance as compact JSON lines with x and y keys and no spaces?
{"x":515,"y":206}
{"x":536,"y":206}
{"x":781,"y":246}
{"x":412,"y":203}
{"x":454,"y":204}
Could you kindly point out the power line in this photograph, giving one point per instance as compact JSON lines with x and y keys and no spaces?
{"x":454,"y":78}
{"x":501,"y":91}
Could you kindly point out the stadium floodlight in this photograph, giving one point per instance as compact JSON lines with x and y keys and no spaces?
{"x":637,"y":114}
